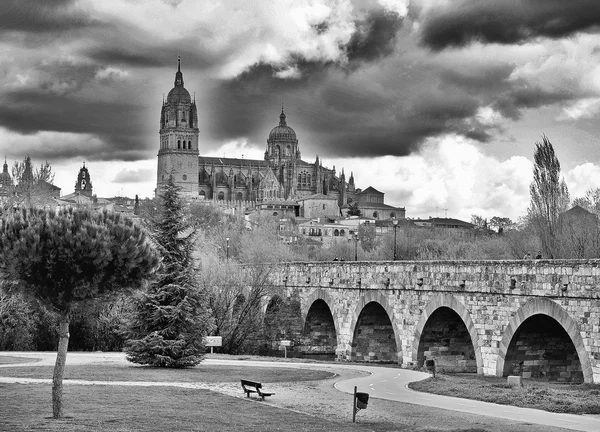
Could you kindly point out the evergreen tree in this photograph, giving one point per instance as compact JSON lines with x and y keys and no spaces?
{"x":67,"y":258}
{"x":170,"y":320}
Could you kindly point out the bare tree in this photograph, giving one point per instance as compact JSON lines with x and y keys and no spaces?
{"x":549,"y":196}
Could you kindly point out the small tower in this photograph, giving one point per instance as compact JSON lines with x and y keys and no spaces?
{"x":178,"y":151}
{"x":83,"y":185}
{"x":5,"y":180}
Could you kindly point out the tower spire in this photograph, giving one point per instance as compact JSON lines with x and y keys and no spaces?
{"x":178,"y":60}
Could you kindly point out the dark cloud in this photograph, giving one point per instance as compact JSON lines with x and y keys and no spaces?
{"x":458,"y":23}
{"x":375,"y":36}
{"x":118,"y":125}
{"x":42,"y":16}
{"x":333,"y":116}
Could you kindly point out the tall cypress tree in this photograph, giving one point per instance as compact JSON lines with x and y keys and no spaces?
{"x":172,"y":317}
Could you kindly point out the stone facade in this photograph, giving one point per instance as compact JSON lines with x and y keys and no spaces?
{"x":539,"y":317}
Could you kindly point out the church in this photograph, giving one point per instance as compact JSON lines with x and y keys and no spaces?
{"x":282,"y":179}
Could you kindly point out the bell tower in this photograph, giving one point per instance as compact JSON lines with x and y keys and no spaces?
{"x":83,"y":185}
{"x":178,"y":150}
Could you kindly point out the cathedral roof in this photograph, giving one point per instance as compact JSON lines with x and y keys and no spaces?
{"x":207,"y":160}
{"x":282,"y":132}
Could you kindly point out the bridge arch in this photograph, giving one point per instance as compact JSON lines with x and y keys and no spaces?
{"x":453,"y":303}
{"x":377,"y":300}
{"x":549,"y":308}
{"x":320,"y":328}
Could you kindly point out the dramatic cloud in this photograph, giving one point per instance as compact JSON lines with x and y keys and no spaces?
{"x":42,"y":17}
{"x":458,"y":23}
{"x":408,"y":88}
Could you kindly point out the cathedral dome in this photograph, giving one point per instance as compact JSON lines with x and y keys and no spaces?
{"x":179,"y":95}
{"x":282,"y":132}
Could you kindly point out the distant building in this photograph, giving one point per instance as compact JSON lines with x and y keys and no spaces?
{"x":443,"y":223}
{"x":282,"y":179}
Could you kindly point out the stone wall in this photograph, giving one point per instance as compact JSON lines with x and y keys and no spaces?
{"x":492,"y":298}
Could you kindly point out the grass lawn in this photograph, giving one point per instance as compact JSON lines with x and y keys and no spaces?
{"x":554,"y":397}
{"x":99,"y":408}
{"x":305,"y":401}
{"x":14,"y":359}
{"x":201,"y":373}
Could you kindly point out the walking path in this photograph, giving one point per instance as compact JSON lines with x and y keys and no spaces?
{"x":382,"y":383}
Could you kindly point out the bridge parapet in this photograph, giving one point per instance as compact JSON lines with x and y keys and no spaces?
{"x":545,"y":278}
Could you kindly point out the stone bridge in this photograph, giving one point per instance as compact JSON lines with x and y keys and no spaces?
{"x":539,"y":318}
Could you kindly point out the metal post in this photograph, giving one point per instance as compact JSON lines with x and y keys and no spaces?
{"x":354,"y":406}
{"x":395,"y":222}
{"x":227,"y":253}
{"x":355,"y":246}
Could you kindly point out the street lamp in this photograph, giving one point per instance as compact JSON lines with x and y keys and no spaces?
{"x":356,"y":246}
{"x":395,"y":222}
{"x":227,"y":253}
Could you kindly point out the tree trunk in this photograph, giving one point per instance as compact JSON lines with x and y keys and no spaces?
{"x":59,"y":367}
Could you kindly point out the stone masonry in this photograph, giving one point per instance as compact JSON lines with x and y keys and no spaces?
{"x":497,"y":302}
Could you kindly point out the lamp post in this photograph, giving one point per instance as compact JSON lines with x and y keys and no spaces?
{"x":227,"y":249}
{"x":356,"y":246}
{"x":395,"y":222}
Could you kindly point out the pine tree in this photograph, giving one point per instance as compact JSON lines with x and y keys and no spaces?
{"x":171,"y":319}
{"x":67,"y":258}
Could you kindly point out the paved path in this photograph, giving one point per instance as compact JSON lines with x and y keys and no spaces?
{"x":382,"y":383}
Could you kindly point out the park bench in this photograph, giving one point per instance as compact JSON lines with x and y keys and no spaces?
{"x":254,"y":387}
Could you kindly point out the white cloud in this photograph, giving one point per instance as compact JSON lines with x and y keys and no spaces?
{"x":110,"y":72}
{"x":448,"y":173}
{"x":237,"y":149}
{"x":243,"y":33}
{"x":582,"y":178}
{"x":583,"y":108}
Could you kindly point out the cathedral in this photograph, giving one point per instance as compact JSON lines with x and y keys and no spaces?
{"x":282,"y":177}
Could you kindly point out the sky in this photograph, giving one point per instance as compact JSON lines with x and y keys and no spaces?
{"x":436,"y":103}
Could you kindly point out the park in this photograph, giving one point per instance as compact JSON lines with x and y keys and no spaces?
{"x":104,"y":392}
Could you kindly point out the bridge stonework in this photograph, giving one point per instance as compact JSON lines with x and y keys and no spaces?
{"x":540,"y":318}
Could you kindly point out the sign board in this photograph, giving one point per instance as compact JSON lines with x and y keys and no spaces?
{"x":213,"y":341}
{"x":286,"y":343}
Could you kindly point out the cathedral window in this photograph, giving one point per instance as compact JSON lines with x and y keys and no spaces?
{"x":303,"y":178}
{"x":239,"y":196}
{"x":336,"y":233}
{"x":189,"y":145}
{"x":178,"y":144}
{"x":308,"y":179}
{"x":221,"y":196}
{"x":342,"y":233}
{"x":299,"y":179}
{"x":185,"y":177}
{"x":202,"y":194}
{"x":375,"y":215}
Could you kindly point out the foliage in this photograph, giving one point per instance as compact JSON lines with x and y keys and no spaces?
{"x":170,"y":320}
{"x":367,"y":236}
{"x":236,"y":301}
{"x":549,"y":196}
{"x":353,"y":209}
{"x":17,"y":324}
{"x":579,"y":234}
{"x":479,"y":221}
{"x":590,"y":201}
{"x":500,"y":224}
{"x":31,"y":186}
{"x":66,"y":259}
